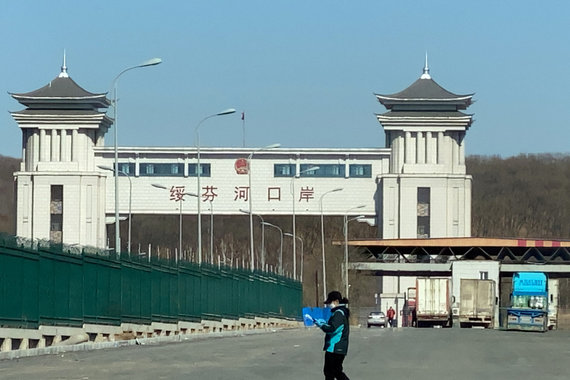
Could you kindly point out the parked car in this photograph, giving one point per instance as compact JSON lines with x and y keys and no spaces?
{"x":377,"y":318}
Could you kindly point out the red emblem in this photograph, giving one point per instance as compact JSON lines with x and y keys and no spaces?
{"x":242,"y":166}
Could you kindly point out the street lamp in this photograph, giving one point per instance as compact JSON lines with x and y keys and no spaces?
{"x":212,"y":232}
{"x":281,"y":246}
{"x":249,"y":159}
{"x":345,"y":230}
{"x":262,"y":236}
{"x":302,"y":255}
{"x":198,"y":172}
{"x":323,"y":238}
{"x":150,"y":62}
{"x":130,"y":198}
{"x":312,"y":168}
{"x":158,"y":186}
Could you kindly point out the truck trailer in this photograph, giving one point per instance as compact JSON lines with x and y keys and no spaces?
{"x":529,"y":302}
{"x":477,"y":303}
{"x":433,"y":306}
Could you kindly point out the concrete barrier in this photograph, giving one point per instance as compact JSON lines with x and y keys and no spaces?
{"x":16,"y":343}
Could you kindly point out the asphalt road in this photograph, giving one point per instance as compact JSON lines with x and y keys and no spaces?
{"x":296,"y":354}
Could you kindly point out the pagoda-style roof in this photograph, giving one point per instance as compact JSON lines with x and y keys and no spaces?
{"x":62,"y":92}
{"x":425,"y":94}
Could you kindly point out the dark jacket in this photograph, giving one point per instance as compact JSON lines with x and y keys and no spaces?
{"x":337,"y":330}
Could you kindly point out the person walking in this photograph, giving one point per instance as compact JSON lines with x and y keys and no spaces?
{"x":390,"y":314}
{"x":336,"y":331}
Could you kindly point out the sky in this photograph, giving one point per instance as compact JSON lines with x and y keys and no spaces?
{"x":304,"y":72}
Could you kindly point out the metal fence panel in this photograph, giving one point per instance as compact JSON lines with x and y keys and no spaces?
{"x":19,"y":286}
{"x":44,"y":283}
{"x":102,"y":290}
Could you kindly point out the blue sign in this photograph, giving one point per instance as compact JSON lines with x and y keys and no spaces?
{"x":529,"y":282}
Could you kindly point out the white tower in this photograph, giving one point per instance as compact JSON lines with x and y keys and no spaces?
{"x":426,"y":193}
{"x":58,"y":187}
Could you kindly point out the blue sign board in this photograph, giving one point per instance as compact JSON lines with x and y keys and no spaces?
{"x":529,"y":283}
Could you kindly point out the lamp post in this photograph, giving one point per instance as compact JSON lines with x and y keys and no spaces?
{"x":281,"y":246}
{"x":130,"y":199}
{"x":345,"y":230}
{"x":198,"y":172}
{"x":150,"y":62}
{"x":249,"y":159}
{"x":312,"y":168}
{"x":262,"y":235}
{"x":158,"y":186}
{"x":323,"y":238}
{"x":212,"y":233}
{"x":302,"y":255}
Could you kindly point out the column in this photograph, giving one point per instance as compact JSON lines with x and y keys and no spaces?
{"x":454,"y":150}
{"x":54,"y":156}
{"x":34,"y":150}
{"x":64,"y":146}
{"x":420,"y":148}
{"x":408,"y":148}
{"x":441,"y":148}
{"x":75,"y":146}
{"x":43,"y":146}
{"x":461,"y":148}
{"x":429,"y":149}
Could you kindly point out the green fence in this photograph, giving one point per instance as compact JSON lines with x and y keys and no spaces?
{"x":53,"y":284}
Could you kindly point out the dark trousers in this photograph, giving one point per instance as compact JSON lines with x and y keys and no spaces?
{"x":333,"y":366}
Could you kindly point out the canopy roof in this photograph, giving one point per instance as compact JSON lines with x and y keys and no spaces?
{"x":61,"y":91}
{"x":425,"y":91}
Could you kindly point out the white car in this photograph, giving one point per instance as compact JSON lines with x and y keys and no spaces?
{"x":377,"y":318}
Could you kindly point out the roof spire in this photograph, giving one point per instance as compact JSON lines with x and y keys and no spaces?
{"x":426,"y":75}
{"x":63,"y":73}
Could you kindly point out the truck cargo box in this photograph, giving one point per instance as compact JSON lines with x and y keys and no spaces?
{"x":432,"y":301}
{"x":477,"y":303}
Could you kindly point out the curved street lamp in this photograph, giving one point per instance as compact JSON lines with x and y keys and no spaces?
{"x":114,"y":85}
{"x":310,"y":169}
{"x":130,"y":198}
{"x":302,"y":254}
{"x":159,"y":186}
{"x":345,"y":231}
{"x":262,"y":235}
{"x":281,"y":246}
{"x":323,"y":238}
{"x":198,"y":173}
{"x":250,"y":195}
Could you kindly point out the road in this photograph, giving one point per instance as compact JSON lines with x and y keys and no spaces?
{"x":296,"y":354}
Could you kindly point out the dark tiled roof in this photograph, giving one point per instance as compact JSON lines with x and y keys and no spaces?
{"x":425,"y":89}
{"x":424,"y":94}
{"x":62,"y":89}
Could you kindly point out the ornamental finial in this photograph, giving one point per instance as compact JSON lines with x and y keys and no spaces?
{"x":426,"y":75}
{"x":63,"y":73}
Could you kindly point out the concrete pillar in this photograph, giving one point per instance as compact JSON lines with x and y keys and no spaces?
{"x":43,"y":146}
{"x":420,"y":148}
{"x":461,"y":148}
{"x":441,"y":148}
{"x":75,"y":145}
{"x":454,"y":150}
{"x":430,"y":151}
{"x":408,"y":148}
{"x":54,"y":156}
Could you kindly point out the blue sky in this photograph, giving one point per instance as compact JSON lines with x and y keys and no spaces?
{"x":304,"y":72}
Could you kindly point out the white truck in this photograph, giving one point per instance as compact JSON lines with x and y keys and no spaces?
{"x":477,"y":303}
{"x":433,"y":302}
